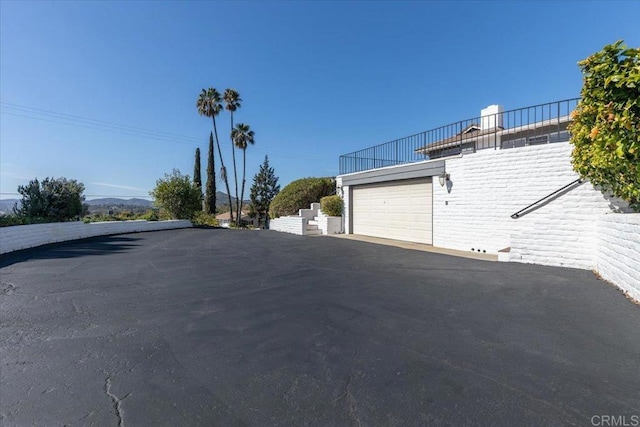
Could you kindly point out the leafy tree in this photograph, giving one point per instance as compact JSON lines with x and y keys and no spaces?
{"x":265,"y":187}
{"x":197,"y":176}
{"x":177,"y":195}
{"x":209,"y":104}
{"x":232,"y":103}
{"x":210,"y":194}
{"x":300,"y":194}
{"x":605,"y":129}
{"x":242,"y":136}
{"x":58,"y":199}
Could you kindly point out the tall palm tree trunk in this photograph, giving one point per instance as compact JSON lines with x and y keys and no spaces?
{"x":226,"y":178}
{"x":235,"y":173}
{"x":244,"y":172}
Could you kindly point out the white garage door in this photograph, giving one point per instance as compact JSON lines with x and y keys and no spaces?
{"x":400,"y":210}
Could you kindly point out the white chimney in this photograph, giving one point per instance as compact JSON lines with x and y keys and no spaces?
{"x":491,"y":117}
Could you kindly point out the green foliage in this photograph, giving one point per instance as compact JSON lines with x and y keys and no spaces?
{"x":149,"y":215}
{"x":197,"y":176}
{"x":210,"y":194}
{"x":100,"y":218}
{"x":300,"y":194}
{"x":265,"y":187}
{"x":58,"y":199}
{"x":176,"y":194}
{"x":11,"y":220}
{"x":203,"y":219}
{"x":332,"y":205}
{"x":605,"y":130}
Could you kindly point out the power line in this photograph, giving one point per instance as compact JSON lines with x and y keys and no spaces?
{"x":117,"y":128}
{"x":95,"y":195}
{"x":153,"y":137}
{"x":96,"y":122}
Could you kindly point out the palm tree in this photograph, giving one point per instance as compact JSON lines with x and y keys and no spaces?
{"x":233,"y":102}
{"x":209,"y":104}
{"x":242,"y":136}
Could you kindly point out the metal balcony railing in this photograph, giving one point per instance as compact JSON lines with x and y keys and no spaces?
{"x":538,"y":124}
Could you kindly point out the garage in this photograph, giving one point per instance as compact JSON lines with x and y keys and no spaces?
{"x":400,"y":210}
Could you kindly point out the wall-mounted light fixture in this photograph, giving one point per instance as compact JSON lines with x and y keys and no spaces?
{"x":443,"y":178}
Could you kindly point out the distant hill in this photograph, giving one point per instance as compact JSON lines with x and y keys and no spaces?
{"x":6,"y":205}
{"x":112,"y":201}
{"x":223,"y":199}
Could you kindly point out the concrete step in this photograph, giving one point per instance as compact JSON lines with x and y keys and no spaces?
{"x":312,"y":229}
{"x":313,"y":222}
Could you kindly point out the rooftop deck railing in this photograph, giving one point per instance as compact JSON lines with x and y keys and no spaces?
{"x":538,"y":124}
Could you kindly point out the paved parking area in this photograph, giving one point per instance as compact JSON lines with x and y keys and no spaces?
{"x":227,"y":327}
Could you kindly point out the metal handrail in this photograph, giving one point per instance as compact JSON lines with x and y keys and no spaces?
{"x":518,"y":214}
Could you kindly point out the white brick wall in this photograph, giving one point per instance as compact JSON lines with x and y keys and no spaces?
{"x":29,"y":236}
{"x":489,"y":186}
{"x":329,"y":224}
{"x":617,"y":253}
{"x":311,"y":213}
{"x":289,"y":224}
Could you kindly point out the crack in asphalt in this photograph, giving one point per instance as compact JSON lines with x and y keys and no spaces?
{"x":7,"y":288}
{"x":351,"y":402}
{"x":117,"y":403}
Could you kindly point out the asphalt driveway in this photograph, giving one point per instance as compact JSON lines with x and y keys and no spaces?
{"x":225,"y":327}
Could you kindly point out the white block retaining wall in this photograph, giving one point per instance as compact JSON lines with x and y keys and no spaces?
{"x":289,"y":224}
{"x":28,"y":236}
{"x":489,"y":186}
{"x":617,"y":253}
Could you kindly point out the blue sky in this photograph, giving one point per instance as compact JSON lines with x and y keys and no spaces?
{"x":318,"y":79}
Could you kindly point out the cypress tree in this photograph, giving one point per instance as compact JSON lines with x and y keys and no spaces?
{"x":210,"y":196}
{"x":197,"y":176}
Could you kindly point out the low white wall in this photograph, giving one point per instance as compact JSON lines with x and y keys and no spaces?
{"x":617,"y":253}
{"x":289,"y":224}
{"x":329,"y":224}
{"x":29,"y":236}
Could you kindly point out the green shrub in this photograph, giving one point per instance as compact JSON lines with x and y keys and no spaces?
{"x":300,"y":194}
{"x":332,"y":205}
{"x":150,"y":215}
{"x":177,"y":195}
{"x":98,"y":218}
{"x":11,"y":220}
{"x":203,"y":219}
{"x":605,"y":130}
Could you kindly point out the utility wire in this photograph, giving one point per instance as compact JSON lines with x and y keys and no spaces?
{"x":94,"y":195}
{"x":87,"y":120}
{"x":153,"y":137}
{"x":111,"y":127}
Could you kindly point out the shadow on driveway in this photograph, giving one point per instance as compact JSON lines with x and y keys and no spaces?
{"x":86,"y":247}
